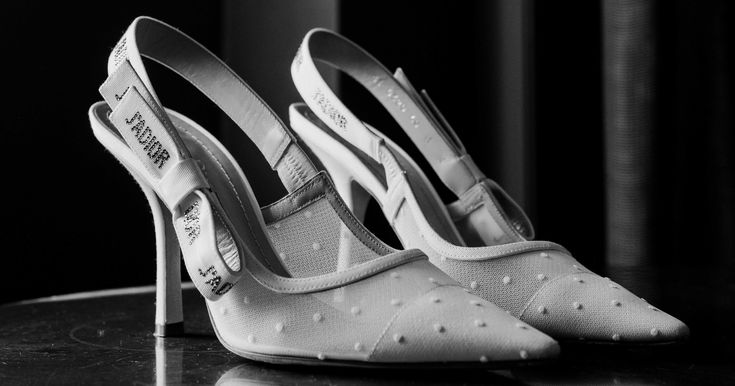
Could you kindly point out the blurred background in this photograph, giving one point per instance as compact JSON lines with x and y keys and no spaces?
{"x":611,"y":122}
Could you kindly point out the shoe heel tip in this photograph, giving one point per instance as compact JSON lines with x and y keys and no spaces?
{"x":169,"y":330}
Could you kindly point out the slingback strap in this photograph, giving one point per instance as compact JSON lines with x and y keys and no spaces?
{"x":415,"y":114}
{"x":455,"y":167}
{"x":213,"y":251}
{"x":172,"y":48}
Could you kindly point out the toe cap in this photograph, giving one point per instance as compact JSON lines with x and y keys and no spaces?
{"x":449,"y":325}
{"x":589,"y":307}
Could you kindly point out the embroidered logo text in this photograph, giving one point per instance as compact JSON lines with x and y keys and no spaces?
{"x":328,"y":109}
{"x":151,"y":145}
{"x":215,"y":280}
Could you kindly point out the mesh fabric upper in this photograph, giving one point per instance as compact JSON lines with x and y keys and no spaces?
{"x":550,"y":290}
{"x":314,"y":240}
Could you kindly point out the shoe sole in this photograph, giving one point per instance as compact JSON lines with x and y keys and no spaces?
{"x":632,"y":345}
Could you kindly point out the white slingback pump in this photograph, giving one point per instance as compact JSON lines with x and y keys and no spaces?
{"x":300,"y":281}
{"x":483,"y":240}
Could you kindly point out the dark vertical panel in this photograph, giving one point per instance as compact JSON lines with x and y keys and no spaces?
{"x":629,"y":92}
{"x":512,"y":84}
{"x":694,"y":173}
{"x":568,"y":128}
{"x":260,"y":39}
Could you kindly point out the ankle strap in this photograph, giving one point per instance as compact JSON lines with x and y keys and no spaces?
{"x":415,"y":113}
{"x":180,"y":53}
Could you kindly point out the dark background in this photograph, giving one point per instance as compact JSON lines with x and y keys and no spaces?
{"x":524,"y":83}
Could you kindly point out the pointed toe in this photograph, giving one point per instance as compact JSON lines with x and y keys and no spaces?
{"x":448,"y":325}
{"x":585,"y":306}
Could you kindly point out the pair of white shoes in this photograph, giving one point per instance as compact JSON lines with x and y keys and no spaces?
{"x":302,"y":280}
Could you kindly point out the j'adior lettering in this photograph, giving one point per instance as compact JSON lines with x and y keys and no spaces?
{"x":215,"y":280}
{"x":329,"y":109}
{"x":151,"y":145}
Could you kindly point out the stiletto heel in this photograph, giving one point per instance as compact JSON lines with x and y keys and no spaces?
{"x":169,"y":308}
{"x":169,"y":316}
{"x":483,"y":240}
{"x":355,"y":196}
{"x":301,"y":280}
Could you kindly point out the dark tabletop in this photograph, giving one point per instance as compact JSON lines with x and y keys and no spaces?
{"x":105,"y":338}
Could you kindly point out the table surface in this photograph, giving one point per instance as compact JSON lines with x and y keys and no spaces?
{"x":105,"y":337}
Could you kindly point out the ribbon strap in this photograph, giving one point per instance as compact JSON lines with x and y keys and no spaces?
{"x":172,"y":48}
{"x":183,"y":179}
{"x":414,"y":113}
{"x":212,"y":250}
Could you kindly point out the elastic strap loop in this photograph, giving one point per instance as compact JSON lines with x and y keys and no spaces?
{"x":180,"y":181}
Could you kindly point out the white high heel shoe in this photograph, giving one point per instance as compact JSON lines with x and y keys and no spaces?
{"x":481,"y":240}
{"x":379,"y":308}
